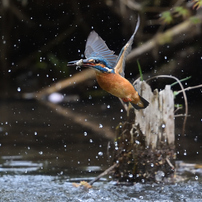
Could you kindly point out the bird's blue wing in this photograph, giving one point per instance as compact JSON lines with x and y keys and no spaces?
{"x":120,"y":66}
{"x":96,"y":47}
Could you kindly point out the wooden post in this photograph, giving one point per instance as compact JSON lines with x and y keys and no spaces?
{"x":157,"y":120}
{"x":145,"y":146}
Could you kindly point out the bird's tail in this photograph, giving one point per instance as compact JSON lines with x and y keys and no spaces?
{"x":141,"y":104}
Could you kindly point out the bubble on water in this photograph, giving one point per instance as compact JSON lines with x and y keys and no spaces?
{"x":35,"y":133}
{"x":41,"y":152}
{"x":91,"y":141}
{"x":108,"y":106}
{"x":85,"y":134}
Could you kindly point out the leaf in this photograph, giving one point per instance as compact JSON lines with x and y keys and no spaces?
{"x":181,"y":11}
{"x":166,"y":17}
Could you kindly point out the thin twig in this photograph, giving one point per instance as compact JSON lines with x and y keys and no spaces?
{"x":180,"y":115}
{"x":170,"y":164}
{"x":106,"y":172}
{"x":177,"y":109}
{"x":189,"y":88}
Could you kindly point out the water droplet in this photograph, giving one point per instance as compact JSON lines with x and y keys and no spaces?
{"x":35,"y":133}
{"x":85,"y":134}
{"x":41,"y":152}
{"x":163,"y":126}
{"x":108,"y":106}
{"x":100,"y":125}
{"x":100,"y":153}
{"x":18,"y":89}
{"x":91,"y":141}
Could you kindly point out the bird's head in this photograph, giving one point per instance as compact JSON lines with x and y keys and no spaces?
{"x":97,"y":63}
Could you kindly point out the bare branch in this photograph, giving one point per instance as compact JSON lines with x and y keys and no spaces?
{"x":166,"y":37}
{"x":189,"y":88}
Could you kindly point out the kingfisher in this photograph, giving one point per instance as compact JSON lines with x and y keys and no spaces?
{"x":109,"y":68}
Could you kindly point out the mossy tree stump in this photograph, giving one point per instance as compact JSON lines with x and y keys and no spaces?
{"x":144,"y":149}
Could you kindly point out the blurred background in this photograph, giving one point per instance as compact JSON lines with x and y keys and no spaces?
{"x":38,"y":38}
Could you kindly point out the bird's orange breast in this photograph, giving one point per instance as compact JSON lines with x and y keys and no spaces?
{"x":117,"y":85}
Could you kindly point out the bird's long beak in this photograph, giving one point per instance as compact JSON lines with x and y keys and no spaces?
{"x":81,"y":62}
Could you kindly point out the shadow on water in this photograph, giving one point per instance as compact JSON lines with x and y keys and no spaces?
{"x":42,"y":153}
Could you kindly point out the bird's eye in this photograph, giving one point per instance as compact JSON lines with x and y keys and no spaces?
{"x":97,"y":61}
